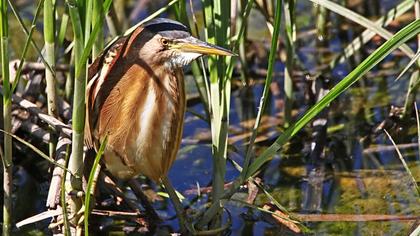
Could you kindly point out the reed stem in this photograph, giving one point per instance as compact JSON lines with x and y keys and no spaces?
{"x":289,"y":15}
{"x":213,"y":210}
{"x":220,"y":90}
{"x":49,"y":33}
{"x":98,"y":18}
{"x":7,"y":119}
{"x":74,"y":182}
{"x":414,"y":83}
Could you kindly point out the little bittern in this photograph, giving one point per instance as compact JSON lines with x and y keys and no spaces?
{"x":136,"y":97}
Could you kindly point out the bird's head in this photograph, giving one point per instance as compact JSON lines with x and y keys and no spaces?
{"x":168,"y":42}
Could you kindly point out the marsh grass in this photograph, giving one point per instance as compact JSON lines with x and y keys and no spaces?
{"x":214,"y":85}
{"x":217,"y":31}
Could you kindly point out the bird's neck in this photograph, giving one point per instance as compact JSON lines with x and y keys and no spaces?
{"x":171,"y":83}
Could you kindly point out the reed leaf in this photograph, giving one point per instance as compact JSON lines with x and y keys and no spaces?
{"x":90,"y":188}
{"x":34,"y":45}
{"x":267,"y":83}
{"x":35,"y":149}
{"x":26,"y":47}
{"x":400,"y":156}
{"x":368,"y":34}
{"x":363,"y":21}
{"x":91,"y":39}
{"x":407,"y":67}
{"x":63,"y":28}
{"x":151,"y":16}
{"x":378,"y":55}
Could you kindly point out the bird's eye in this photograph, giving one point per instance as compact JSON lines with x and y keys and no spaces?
{"x":164,"y":42}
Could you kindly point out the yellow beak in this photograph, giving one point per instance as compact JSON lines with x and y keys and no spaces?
{"x":192,"y":44}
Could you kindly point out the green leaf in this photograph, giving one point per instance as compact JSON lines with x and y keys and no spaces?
{"x":378,"y":55}
{"x":36,"y":150}
{"x":91,"y":182}
{"x":361,"y":20}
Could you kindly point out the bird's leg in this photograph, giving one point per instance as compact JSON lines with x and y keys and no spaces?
{"x":81,"y":213}
{"x":185,"y":225}
{"x":135,"y":186}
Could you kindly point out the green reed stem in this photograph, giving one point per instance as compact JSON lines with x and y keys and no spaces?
{"x":414,"y":83}
{"x":63,"y":29}
{"x":239,"y":38}
{"x":289,"y":16}
{"x":199,"y":72}
{"x":89,"y":41}
{"x":181,"y":12}
{"x":217,"y":22}
{"x":7,"y":121}
{"x":74,"y":183}
{"x":49,"y":35}
{"x":83,"y":44}
{"x":219,"y":101}
{"x":86,"y":11}
{"x":63,"y":198}
{"x":209,"y":31}
{"x":69,"y":86}
{"x":98,"y":18}
{"x":241,"y":20}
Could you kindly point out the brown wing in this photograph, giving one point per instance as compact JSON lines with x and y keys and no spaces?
{"x":103,"y":76}
{"x":97,"y":74}
{"x":120,"y":110}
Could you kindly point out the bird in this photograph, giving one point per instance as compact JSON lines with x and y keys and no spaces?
{"x":135,"y":97}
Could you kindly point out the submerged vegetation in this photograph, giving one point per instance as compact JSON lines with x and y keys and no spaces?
{"x":312,"y":128}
